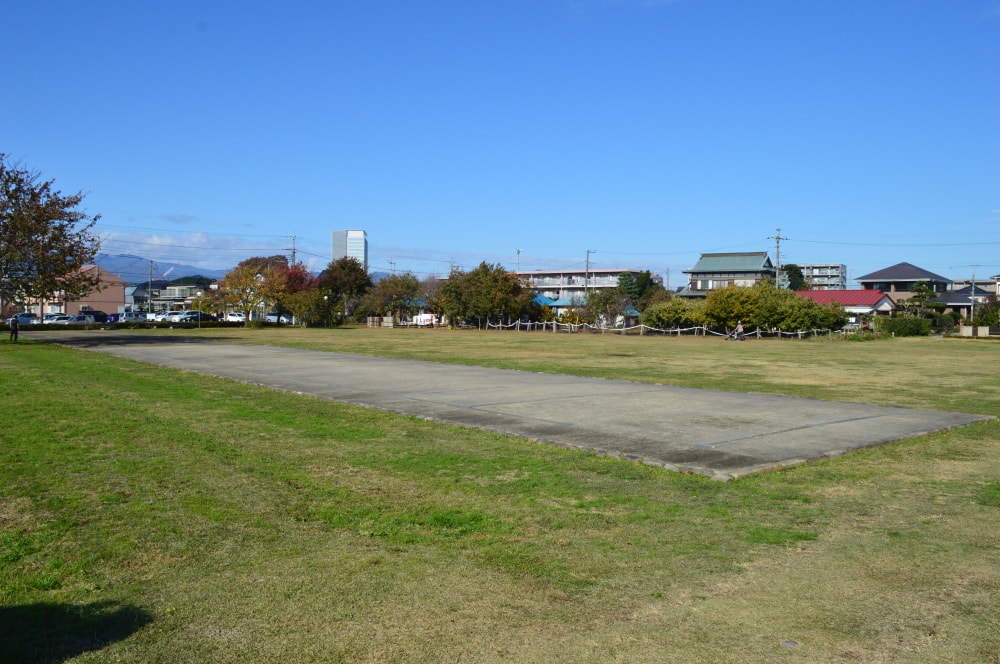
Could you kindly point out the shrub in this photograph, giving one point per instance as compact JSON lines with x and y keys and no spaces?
{"x":903,"y":326}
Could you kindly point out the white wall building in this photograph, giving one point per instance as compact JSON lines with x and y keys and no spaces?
{"x":825,"y":276}
{"x":569,"y":285}
{"x":352,"y":244}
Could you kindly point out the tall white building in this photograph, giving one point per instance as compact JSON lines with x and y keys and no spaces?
{"x":352,"y":244}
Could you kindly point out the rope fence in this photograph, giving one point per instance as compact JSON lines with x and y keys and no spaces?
{"x":641,"y":330}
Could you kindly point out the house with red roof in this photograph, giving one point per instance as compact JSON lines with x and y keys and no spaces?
{"x":855,"y":302}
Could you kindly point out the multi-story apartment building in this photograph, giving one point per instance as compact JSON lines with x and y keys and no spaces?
{"x":825,"y":276}
{"x":572,"y":285}
{"x":352,"y":244}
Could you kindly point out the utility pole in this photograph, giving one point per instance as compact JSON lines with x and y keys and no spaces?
{"x":586,"y":278}
{"x":972,"y":299}
{"x":777,"y":257}
{"x":149,"y":291}
{"x":293,"y":247}
{"x":518,"y":252}
{"x":392,"y":264}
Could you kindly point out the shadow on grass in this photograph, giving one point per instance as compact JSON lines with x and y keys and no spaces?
{"x":56,"y":632}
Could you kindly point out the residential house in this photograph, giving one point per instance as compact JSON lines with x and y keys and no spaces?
{"x":900,"y":280}
{"x":856,"y":303}
{"x":963,"y":300}
{"x":715,"y":271}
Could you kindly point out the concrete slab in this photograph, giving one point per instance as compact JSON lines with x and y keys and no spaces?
{"x":724,"y":435}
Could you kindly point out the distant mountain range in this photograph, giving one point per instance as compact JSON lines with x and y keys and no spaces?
{"x":135,"y":269}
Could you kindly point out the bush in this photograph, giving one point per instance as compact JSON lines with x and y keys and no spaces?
{"x":903,"y":326}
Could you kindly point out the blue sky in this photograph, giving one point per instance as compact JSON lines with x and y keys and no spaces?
{"x":647,"y":132}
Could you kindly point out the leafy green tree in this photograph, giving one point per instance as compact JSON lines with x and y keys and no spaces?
{"x":344,"y":282}
{"x":45,"y":240}
{"x":725,"y":307}
{"x":650,"y":292}
{"x":794,"y":277}
{"x":675,"y":312}
{"x":308,"y":306}
{"x":988,"y":313}
{"x":489,"y":292}
{"x":628,"y":287}
{"x":395,"y":295}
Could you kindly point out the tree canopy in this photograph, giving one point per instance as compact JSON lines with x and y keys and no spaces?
{"x":794,"y":277}
{"x":45,"y":239}
{"x":395,"y":295}
{"x":488,"y":293}
{"x":344,"y":282}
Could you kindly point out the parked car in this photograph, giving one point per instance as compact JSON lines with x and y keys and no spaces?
{"x":176,"y":316}
{"x":236,"y":317}
{"x":273,"y":317}
{"x":132,"y":317}
{"x":164,"y":316}
{"x":58,"y":319}
{"x":98,"y":316}
{"x":25,"y":318}
{"x":194,"y":317}
{"x":83,"y":319}
{"x":112,"y":318}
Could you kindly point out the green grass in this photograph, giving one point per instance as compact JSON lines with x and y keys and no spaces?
{"x":157,"y":515}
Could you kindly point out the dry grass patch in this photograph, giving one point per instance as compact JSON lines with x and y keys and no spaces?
{"x":210,"y":521}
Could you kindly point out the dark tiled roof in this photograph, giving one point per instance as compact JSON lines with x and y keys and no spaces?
{"x":903,"y":272}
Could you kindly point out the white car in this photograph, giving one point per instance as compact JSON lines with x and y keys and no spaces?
{"x":176,"y":316}
{"x":236,"y":317}
{"x":273,"y":317}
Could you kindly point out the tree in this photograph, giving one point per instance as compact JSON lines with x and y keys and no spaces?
{"x":308,"y":306}
{"x":344,"y":282}
{"x":675,"y":312}
{"x":794,"y":277}
{"x":650,"y":291}
{"x":727,"y":306}
{"x":607,"y":305}
{"x":916,"y":304}
{"x":430,"y":291}
{"x":628,"y":287}
{"x":255,"y":284}
{"x":490,"y":292}
{"x":293,"y":280}
{"x":45,"y":240}
{"x":395,"y":295}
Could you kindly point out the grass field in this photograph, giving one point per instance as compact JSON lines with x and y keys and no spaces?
{"x":154,"y":515}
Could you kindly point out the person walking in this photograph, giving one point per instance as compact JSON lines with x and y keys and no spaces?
{"x":739,"y":330}
{"x":13,"y":328}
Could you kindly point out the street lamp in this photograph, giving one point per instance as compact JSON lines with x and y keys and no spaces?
{"x":199,"y":309}
{"x":326,"y":311}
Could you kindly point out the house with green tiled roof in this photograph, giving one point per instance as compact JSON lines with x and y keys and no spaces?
{"x":715,"y":271}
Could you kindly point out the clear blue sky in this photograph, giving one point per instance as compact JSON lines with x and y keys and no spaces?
{"x":647,"y":131}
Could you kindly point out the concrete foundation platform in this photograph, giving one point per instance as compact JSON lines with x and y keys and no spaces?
{"x":724,"y":435}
